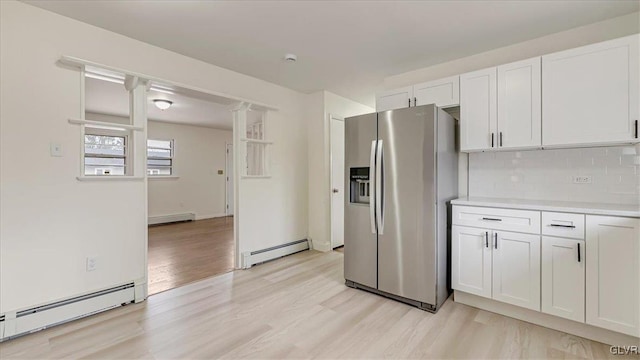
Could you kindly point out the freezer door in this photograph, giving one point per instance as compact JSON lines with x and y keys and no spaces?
{"x":407,"y":200}
{"x":360,"y":239}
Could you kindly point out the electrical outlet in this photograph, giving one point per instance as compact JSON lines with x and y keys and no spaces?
{"x":92,"y":263}
{"x":582,"y":179}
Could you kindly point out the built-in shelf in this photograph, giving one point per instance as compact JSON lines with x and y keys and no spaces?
{"x":256,"y":141}
{"x":105,"y":125}
{"x":109,"y":178}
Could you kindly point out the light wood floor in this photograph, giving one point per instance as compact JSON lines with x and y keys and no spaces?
{"x":182,"y":253}
{"x":294,"y":307}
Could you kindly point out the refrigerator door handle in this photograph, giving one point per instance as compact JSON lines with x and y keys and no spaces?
{"x":380,"y":187}
{"x":372,"y":184}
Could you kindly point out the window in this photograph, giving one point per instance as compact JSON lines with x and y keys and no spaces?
{"x":159,"y":157}
{"x":105,"y":154}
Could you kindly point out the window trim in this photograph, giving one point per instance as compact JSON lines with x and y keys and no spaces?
{"x":172,"y":148}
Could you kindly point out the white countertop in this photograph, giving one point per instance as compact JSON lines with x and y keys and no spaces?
{"x":545,"y":205}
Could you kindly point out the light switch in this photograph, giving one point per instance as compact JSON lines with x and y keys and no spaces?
{"x":55,"y":149}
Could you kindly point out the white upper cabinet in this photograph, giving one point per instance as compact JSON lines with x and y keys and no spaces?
{"x":519,"y":105}
{"x":478,"y":115}
{"x":444,"y":92}
{"x":590,"y":94}
{"x":500,"y":108}
{"x":613,"y":273}
{"x":394,"y":99}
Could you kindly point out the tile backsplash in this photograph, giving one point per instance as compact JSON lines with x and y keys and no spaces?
{"x":549,"y":174}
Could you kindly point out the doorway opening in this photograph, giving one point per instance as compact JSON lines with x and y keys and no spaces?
{"x":190,"y":201}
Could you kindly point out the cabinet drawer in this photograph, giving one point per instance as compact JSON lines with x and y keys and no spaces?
{"x":563,"y":225}
{"x":499,"y":219}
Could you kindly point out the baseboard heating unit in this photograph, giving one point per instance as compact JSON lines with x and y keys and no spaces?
{"x":164,"y":219}
{"x":251,"y":258}
{"x":23,"y":322}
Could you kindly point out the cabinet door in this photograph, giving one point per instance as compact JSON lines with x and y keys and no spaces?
{"x":394,"y":99}
{"x":443,"y":92}
{"x":516,"y":269}
{"x":471,"y":260}
{"x":478,"y":120}
{"x":590,"y":94}
{"x":563,"y":277}
{"x":613,"y":273}
{"x":519,"y":105}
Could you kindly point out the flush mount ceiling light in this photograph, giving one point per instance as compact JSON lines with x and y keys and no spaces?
{"x":162,"y":104}
{"x":290,"y":57}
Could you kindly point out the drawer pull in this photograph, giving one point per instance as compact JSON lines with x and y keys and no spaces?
{"x":491,"y":219}
{"x":563,"y":226}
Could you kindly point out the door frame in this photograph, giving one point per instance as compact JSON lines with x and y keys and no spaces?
{"x":228,"y":161}
{"x":330,"y":118}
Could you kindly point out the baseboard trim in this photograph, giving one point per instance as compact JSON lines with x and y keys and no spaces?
{"x":250,"y":258}
{"x":212,"y":216}
{"x":164,"y":219}
{"x":572,"y":327}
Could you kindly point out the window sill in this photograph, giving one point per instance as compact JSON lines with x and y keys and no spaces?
{"x":162,"y":177}
{"x":110,"y":178}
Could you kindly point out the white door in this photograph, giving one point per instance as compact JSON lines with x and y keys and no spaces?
{"x":590,"y":94}
{"x":229,"y":179}
{"x":478,"y":118}
{"x":519,"y":104}
{"x":563,"y":267}
{"x":471,"y":260}
{"x":613,"y":273}
{"x":442,"y":92}
{"x":516,"y":269}
{"x":394,"y":99}
{"x":337,"y":181}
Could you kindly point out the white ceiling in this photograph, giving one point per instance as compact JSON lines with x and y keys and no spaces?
{"x":110,"y":98}
{"x":346,"y":47}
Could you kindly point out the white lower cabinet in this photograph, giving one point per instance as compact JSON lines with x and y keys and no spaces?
{"x":584,"y":268}
{"x":563,"y":277}
{"x":501,"y":265}
{"x":613,"y":273}
{"x":516,"y":269}
{"x":471,"y":255}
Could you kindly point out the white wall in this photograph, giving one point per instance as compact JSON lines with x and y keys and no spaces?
{"x":199,"y":152}
{"x":321,"y":105}
{"x":46,"y":214}
{"x":593,"y":33}
{"x":548,"y":174}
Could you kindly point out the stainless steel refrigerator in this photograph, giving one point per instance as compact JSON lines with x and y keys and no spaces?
{"x":401,"y":170}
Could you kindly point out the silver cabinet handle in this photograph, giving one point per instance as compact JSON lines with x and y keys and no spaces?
{"x":372,"y":182}
{"x":495,"y":242}
{"x":491,"y":219}
{"x":486,"y":239}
